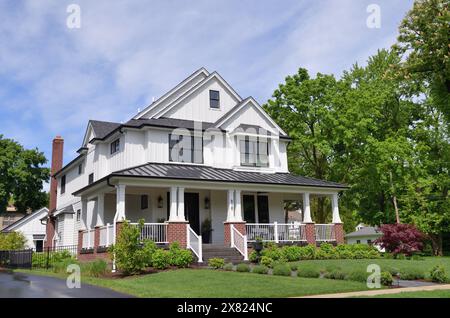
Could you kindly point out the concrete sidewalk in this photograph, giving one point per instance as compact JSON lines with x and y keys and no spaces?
{"x":381,"y":292}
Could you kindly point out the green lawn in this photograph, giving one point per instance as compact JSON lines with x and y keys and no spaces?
{"x":419,"y":294}
{"x":202,"y":283}
{"x":350,"y":265}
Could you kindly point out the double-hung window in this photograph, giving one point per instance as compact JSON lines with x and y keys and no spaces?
{"x":115,"y":146}
{"x":214,"y":99}
{"x":254,"y":152}
{"x":185,"y":148}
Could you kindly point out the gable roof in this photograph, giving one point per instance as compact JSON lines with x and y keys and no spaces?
{"x":213,"y":75}
{"x":201,"y":70}
{"x":365,"y":231}
{"x":249,"y":100}
{"x":25,"y":219}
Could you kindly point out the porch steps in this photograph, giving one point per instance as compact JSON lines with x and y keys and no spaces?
{"x":231,"y":255}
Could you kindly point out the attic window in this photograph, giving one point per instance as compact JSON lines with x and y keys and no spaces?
{"x":214,"y":99}
{"x":115,"y":146}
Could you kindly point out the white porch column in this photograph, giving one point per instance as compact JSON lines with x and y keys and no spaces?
{"x":173,"y":204}
{"x":237,"y":206}
{"x":83,"y":217}
{"x":335,"y":207}
{"x":180,"y":213}
{"x":100,"y":209}
{"x":306,"y":208}
{"x":120,"y":202}
{"x":230,"y":206}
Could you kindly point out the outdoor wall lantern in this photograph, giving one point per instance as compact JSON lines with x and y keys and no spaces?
{"x":160,"y":202}
{"x":207,"y":203}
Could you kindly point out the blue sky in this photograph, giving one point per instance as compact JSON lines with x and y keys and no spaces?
{"x":54,"y":79}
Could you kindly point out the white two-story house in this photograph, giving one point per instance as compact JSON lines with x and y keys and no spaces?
{"x":199,"y":161}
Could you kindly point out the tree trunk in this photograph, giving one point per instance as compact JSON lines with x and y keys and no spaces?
{"x":436,"y":244}
{"x":394,"y":199}
{"x":320,"y":217}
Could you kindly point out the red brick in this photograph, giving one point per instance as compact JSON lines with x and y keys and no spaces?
{"x":310,"y":231}
{"x":339,"y":233}
{"x":240,"y":226}
{"x":177,"y":232}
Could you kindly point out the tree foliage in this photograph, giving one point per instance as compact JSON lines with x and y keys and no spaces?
{"x":401,"y":239}
{"x":12,"y":241}
{"x":21,"y":176}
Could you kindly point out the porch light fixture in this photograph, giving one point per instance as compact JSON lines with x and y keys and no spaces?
{"x":207,"y":203}
{"x":160,"y":202}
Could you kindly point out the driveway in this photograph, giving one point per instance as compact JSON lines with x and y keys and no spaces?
{"x":20,"y":285}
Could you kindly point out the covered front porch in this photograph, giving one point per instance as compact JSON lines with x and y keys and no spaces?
{"x":199,"y":212}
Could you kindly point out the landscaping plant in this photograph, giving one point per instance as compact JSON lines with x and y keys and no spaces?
{"x":438,"y":274}
{"x":180,"y":257}
{"x":228,"y":267}
{"x":386,"y":279}
{"x":308,"y":272}
{"x":161,"y":259}
{"x":243,"y":268}
{"x":282,"y":270}
{"x":216,"y":262}
{"x":260,"y":269}
{"x":401,"y":239}
{"x":12,"y":240}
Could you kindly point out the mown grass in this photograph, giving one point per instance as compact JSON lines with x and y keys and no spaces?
{"x":418,"y":294}
{"x":204,"y":283}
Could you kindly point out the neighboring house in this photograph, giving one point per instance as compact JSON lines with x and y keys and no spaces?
{"x":200,"y":152}
{"x":364,"y":235}
{"x":10,"y":216}
{"x":32,"y":228}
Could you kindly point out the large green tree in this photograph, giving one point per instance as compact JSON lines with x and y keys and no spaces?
{"x":424,"y":43}
{"x":21,"y":176}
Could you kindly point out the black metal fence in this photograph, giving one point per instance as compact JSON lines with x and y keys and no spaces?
{"x":29,"y":258}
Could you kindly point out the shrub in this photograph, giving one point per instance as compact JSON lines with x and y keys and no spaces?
{"x":281,"y":270}
{"x":335,"y":274}
{"x":293,"y":267}
{"x":132,"y":257}
{"x":260,"y":269}
{"x":308,"y":272}
{"x":392,"y":270}
{"x":216,"y":262}
{"x":179,"y":257}
{"x":243,"y":268}
{"x":12,"y":241}
{"x":400,"y":256}
{"x":386,"y":279}
{"x":266,"y":261}
{"x":308,"y":252}
{"x":438,"y":274}
{"x":95,"y":268}
{"x":228,"y":267}
{"x":357,"y":276}
{"x":412,"y":274}
{"x":273,"y":252}
{"x":416,"y":257}
{"x":253,"y":257}
{"x":401,"y":238}
{"x":291,"y":253}
{"x":61,"y":265}
{"x":161,"y":259}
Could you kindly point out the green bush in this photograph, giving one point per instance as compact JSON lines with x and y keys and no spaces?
{"x":438,"y":274}
{"x":281,"y":270}
{"x":416,"y":257}
{"x":308,"y":252}
{"x":357,"y":276}
{"x":61,"y":265}
{"x":308,"y":272}
{"x":260,"y":269}
{"x":228,"y":267}
{"x":179,"y":257}
{"x":412,"y":274}
{"x":326,"y":251}
{"x":386,"y":279}
{"x":394,"y":271}
{"x":242,"y":267}
{"x":335,"y":274}
{"x":273,"y":252}
{"x":291,"y":253}
{"x":95,"y":268}
{"x":12,"y":241}
{"x":216,"y":262}
{"x":253,"y":257}
{"x":266,"y":261}
{"x":131,"y":257}
{"x":161,"y":259}
{"x":400,"y":256}
{"x":293,"y":267}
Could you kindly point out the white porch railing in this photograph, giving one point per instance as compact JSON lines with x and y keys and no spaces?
{"x":194,"y":242}
{"x":88,"y":238}
{"x":325,"y":233}
{"x":157,"y":232}
{"x":276,"y":232}
{"x":106,"y":235}
{"x":239,"y":241}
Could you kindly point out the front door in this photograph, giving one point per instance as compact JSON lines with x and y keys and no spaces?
{"x":191,"y":211}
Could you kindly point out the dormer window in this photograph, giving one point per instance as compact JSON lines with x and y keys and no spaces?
{"x":254,"y":152}
{"x":214,"y":99}
{"x":115,"y":146}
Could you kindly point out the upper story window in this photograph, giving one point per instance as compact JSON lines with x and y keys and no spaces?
{"x":185,"y":148}
{"x":91,"y":178}
{"x":80,"y":168}
{"x":115,"y":146}
{"x":214,"y":99}
{"x":254,"y":152}
{"x":63,"y":184}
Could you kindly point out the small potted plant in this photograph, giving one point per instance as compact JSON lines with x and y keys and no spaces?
{"x":206,"y":231}
{"x":258,"y":244}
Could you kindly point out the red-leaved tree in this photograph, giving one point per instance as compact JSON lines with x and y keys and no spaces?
{"x":401,"y":238}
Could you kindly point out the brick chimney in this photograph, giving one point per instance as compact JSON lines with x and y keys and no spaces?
{"x":57,"y":161}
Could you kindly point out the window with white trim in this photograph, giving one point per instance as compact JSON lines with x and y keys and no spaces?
{"x":115,"y":146}
{"x":254,"y":152}
{"x":214,"y":99}
{"x":185,"y":148}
